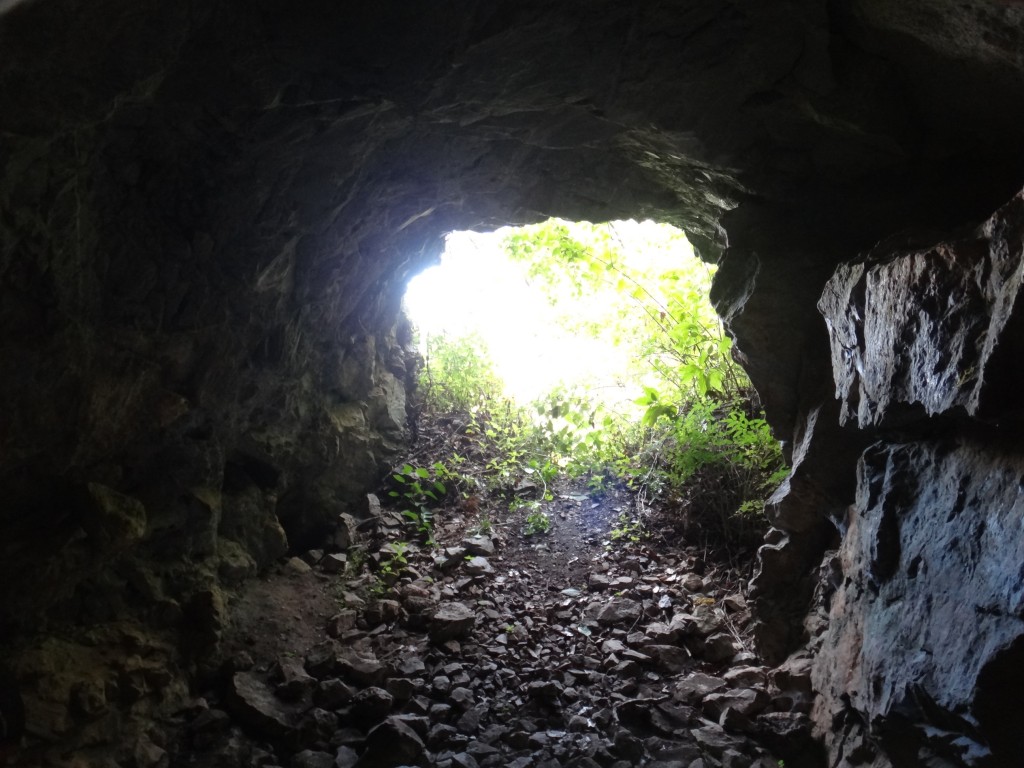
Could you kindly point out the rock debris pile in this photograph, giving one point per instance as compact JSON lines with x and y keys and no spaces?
{"x":468,"y":654}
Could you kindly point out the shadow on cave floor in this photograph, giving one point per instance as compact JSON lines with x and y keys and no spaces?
{"x":603,"y":639}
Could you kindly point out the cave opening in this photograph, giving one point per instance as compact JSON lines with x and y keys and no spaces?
{"x":565,"y":303}
{"x":579,"y":358}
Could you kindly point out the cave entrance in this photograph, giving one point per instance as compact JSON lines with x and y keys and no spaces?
{"x":565,"y":360}
{"x":570,"y":305}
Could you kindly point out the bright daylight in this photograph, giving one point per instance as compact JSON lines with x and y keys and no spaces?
{"x":537,"y":323}
{"x":586,"y":356}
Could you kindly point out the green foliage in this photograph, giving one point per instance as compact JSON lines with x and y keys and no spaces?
{"x":458,"y":374}
{"x":393,"y":562}
{"x":697,"y":426}
{"x":628,"y":529}
{"x":690,"y":432}
{"x":537,"y":521}
{"x":420,"y":491}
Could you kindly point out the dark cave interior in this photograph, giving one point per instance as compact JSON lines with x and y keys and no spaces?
{"x":208,"y":216}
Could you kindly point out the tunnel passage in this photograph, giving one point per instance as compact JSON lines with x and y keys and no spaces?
{"x":207,"y":216}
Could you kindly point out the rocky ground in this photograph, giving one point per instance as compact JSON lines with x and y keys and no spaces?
{"x":606,"y":640}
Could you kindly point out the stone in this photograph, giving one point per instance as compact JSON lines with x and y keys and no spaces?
{"x":719,"y":647}
{"x":794,"y":674}
{"x":628,"y":746}
{"x":482,"y":546}
{"x":789,"y":734}
{"x":714,"y":739}
{"x":419,"y":723}
{"x":478,"y":566}
{"x":598,"y":582}
{"x":450,"y":621}
{"x":358,"y":668}
{"x":346,"y":757}
{"x":112,"y":520}
{"x":371,"y":705}
{"x":313,"y":556}
{"x":671,"y":658}
{"x":909,"y":536}
{"x":309,"y":758}
{"x":254,"y":706}
{"x":460,"y":697}
{"x":450,"y":557}
{"x":297,"y":566}
{"x":336,"y":562}
{"x":382,"y":612}
{"x":748,"y":677}
{"x":340,"y":623}
{"x":322,"y":660}
{"x":332,"y":694}
{"x":402,"y":688}
{"x":906,"y":335}
{"x":391,"y":743}
{"x":693,"y":583}
{"x":617,"y":611}
{"x":694,"y":687}
{"x":150,"y":755}
{"x":748,"y":702}
{"x":294,"y":682}
{"x":347,"y":527}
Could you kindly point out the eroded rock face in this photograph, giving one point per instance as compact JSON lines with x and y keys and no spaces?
{"x":924,"y":638}
{"x":925,"y":614}
{"x":917,"y":333}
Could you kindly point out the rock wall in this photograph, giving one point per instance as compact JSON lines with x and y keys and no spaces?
{"x":926,"y":622}
{"x":207,"y":216}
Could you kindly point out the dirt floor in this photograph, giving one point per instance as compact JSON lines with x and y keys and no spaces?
{"x":606,"y":639}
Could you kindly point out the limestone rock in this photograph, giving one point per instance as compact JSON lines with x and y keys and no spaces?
{"x":617,"y":611}
{"x":749,"y":702}
{"x":256,"y":707}
{"x":371,"y":705}
{"x":392,"y":743}
{"x":294,"y":682}
{"x":914,"y":558}
{"x":694,"y":687}
{"x":450,"y":621}
{"x":479,"y":545}
{"x":919,"y":329}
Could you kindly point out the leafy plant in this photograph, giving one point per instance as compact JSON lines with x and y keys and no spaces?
{"x":537,"y":522}
{"x":631,"y":530}
{"x":419,"y":491}
{"x":390,"y":567}
{"x":458,"y":374}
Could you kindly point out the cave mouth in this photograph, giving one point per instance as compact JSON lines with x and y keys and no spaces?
{"x":576,"y":357}
{"x":563,"y":304}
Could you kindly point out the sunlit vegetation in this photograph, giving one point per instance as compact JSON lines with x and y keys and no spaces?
{"x":677,"y":422}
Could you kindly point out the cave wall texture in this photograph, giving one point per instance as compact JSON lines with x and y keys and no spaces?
{"x":208,"y":213}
